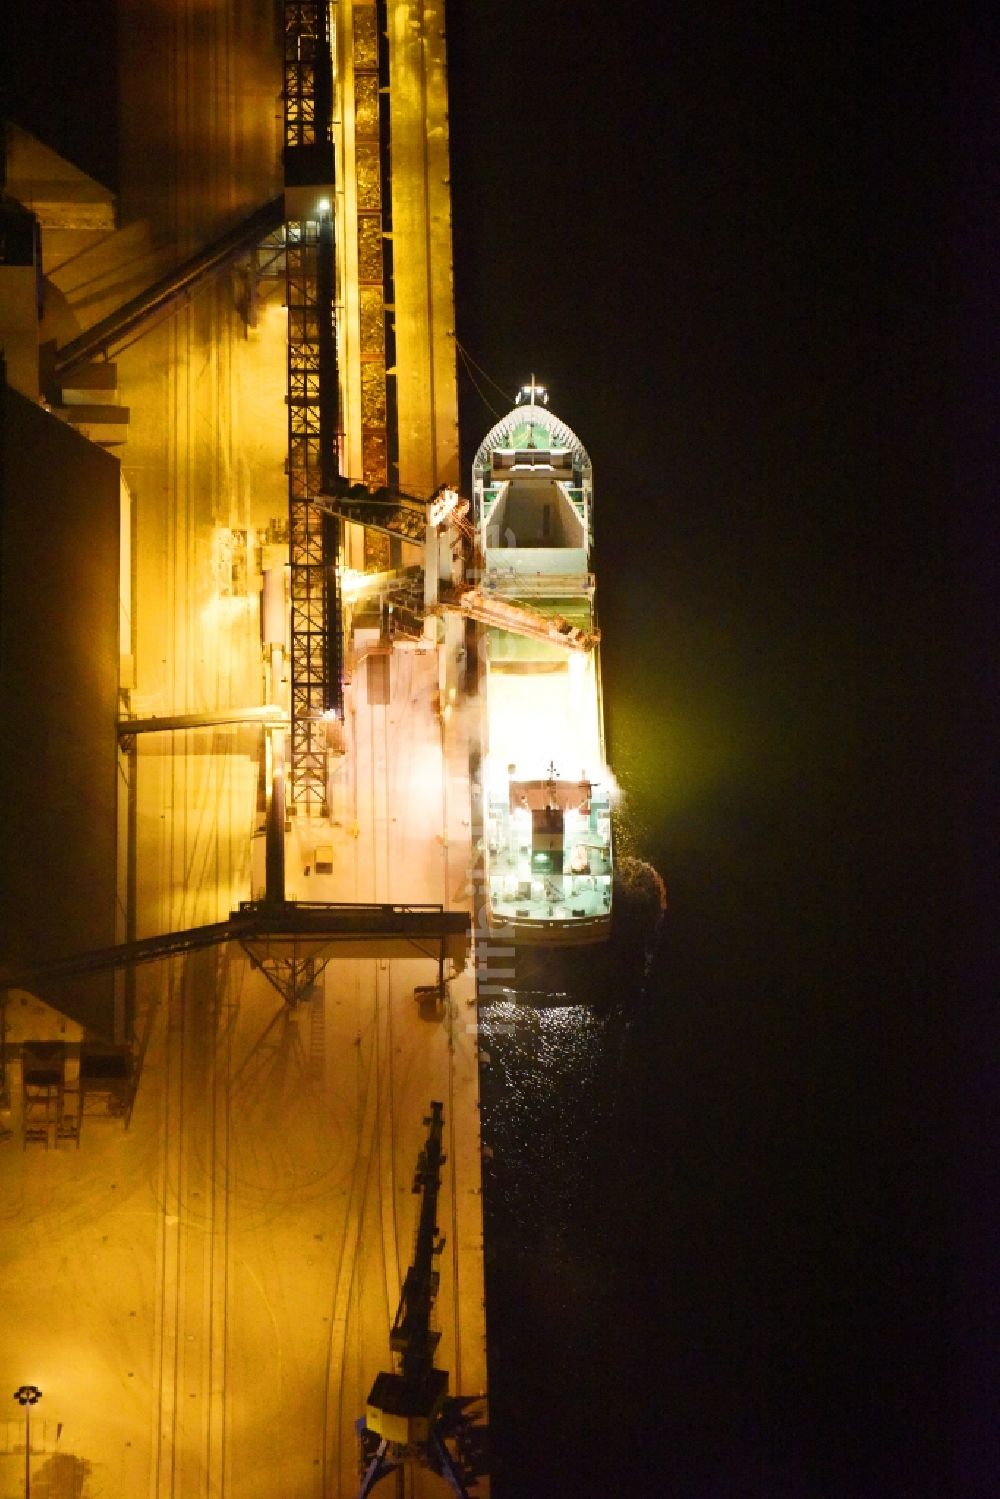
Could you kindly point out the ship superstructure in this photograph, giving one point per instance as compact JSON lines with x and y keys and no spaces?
{"x":546,"y":784}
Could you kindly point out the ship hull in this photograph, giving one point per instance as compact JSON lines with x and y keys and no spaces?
{"x":546,"y":812}
{"x":573,"y":932}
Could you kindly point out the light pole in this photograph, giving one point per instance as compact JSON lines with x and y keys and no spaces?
{"x":27,"y":1395}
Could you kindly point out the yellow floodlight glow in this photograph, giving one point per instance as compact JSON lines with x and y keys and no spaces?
{"x":221,"y":611}
{"x":539,"y":720}
{"x":351,"y":581}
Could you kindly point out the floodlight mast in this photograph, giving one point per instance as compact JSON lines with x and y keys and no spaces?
{"x":27,"y":1395}
{"x":532,"y":394}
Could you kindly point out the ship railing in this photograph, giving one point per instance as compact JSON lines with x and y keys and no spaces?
{"x":539,"y":585}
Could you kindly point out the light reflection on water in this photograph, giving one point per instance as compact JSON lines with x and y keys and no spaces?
{"x":566,"y":1081}
{"x":549,"y":1075}
{"x":557,"y":1080}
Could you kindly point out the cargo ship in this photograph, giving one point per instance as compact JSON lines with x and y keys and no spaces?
{"x":546,"y":784}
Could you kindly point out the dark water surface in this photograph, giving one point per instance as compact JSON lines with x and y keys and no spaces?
{"x":717,"y":1210}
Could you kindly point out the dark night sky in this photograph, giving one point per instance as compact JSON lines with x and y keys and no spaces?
{"x":747,"y":246}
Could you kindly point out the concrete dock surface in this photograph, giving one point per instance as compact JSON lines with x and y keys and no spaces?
{"x":205,"y":1296}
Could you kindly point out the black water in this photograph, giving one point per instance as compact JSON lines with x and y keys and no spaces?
{"x":725,"y":1254}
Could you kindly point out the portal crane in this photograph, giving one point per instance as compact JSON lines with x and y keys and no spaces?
{"x":404,"y":1406}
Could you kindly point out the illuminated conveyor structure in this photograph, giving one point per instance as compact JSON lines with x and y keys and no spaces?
{"x":547,"y":787}
{"x":161,"y":299}
{"x":289,"y":941}
{"x":318,"y":496}
{"x":313,"y":535}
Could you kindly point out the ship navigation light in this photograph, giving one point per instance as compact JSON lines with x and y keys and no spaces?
{"x":532,"y":395}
